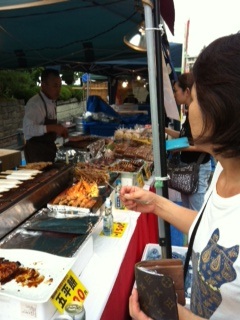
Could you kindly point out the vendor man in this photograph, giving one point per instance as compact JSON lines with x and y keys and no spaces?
{"x":40,"y":126}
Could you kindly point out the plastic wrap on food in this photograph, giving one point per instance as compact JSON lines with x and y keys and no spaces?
{"x":72,"y":155}
{"x":62,"y":211}
{"x":126,"y":165}
{"x":96,"y":148}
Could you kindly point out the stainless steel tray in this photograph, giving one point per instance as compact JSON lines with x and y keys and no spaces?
{"x":59,"y":242}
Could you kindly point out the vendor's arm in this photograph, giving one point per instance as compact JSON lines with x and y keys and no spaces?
{"x":178,"y":216}
{"x":59,"y":129}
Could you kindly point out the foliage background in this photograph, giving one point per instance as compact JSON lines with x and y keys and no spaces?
{"x":22,"y":85}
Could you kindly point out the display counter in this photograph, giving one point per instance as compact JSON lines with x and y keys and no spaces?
{"x":145,"y":232}
{"x":109,"y":274}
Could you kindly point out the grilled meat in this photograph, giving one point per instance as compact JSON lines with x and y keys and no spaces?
{"x":8,"y":270}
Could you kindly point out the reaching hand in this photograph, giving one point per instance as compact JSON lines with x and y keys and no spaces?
{"x":60,"y":130}
{"x":138,"y":199}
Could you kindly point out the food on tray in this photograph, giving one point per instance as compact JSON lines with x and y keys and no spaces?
{"x":22,"y":171}
{"x":118,"y":134}
{"x":79,"y":195}
{"x":121,"y":148}
{"x":134,"y":149}
{"x":145,"y":152}
{"x":29,"y":277}
{"x":127,"y":166}
{"x":12,"y":270}
{"x":91,"y":172}
{"x":38,"y":165}
{"x":140,"y":134}
{"x":8,"y":270}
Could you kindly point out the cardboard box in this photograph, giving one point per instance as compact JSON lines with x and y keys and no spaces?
{"x":10,"y":158}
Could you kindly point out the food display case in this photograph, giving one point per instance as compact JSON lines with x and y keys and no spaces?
{"x":18,"y":204}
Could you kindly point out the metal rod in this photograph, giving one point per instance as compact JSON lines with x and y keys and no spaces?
{"x":161,"y":121}
{"x":151,"y":58}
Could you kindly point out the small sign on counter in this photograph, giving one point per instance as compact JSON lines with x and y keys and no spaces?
{"x":118,"y":230}
{"x":70,"y":289}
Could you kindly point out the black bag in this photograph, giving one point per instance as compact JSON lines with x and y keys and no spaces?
{"x":184,"y":178}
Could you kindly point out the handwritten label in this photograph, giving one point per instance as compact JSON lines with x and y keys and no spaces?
{"x":28,"y":311}
{"x":118,"y":230}
{"x":70,"y":289}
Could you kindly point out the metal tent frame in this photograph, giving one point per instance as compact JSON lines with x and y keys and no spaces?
{"x":154,"y":58}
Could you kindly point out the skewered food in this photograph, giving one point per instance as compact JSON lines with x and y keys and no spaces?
{"x":37,"y":165}
{"x":90,"y":172}
{"x":79,"y":195}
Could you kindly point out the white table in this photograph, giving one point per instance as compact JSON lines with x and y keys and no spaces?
{"x":102,"y":270}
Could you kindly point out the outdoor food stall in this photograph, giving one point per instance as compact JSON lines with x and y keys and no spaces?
{"x":51,"y":223}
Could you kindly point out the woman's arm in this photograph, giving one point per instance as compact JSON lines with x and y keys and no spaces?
{"x":193,"y":148}
{"x":172,"y":133}
{"x":137,"y":199}
{"x":185,"y":314}
{"x":137,"y":314}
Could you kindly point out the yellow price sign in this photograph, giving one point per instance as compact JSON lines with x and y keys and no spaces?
{"x":70,"y":289}
{"x":118,"y":230}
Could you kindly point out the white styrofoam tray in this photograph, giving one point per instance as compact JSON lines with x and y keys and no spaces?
{"x":15,"y":309}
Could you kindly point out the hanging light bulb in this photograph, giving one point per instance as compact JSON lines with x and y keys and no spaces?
{"x":125,"y":84}
{"x":137,"y":39}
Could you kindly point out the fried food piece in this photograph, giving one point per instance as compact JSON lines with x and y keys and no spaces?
{"x":29,"y":277}
{"x":78,"y":195}
{"x":8,"y":269}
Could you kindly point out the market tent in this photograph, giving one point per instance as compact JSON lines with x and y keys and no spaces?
{"x":140,"y":63}
{"x":78,"y":34}
{"x":74,"y":34}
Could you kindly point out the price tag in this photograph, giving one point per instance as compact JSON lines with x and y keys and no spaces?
{"x":70,"y":289}
{"x":118,"y":230}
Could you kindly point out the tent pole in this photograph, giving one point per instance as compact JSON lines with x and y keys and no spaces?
{"x":151,"y":58}
{"x":161,"y":120}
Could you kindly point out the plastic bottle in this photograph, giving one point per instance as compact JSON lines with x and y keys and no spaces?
{"x":108,"y":218}
{"x":118,"y":203}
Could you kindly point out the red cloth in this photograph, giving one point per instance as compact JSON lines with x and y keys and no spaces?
{"x":168,"y":13}
{"x":146,"y":231}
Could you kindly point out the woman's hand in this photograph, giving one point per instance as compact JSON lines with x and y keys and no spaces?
{"x":138,"y":199}
{"x":137,"y":314}
{"x":134,"y":308}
